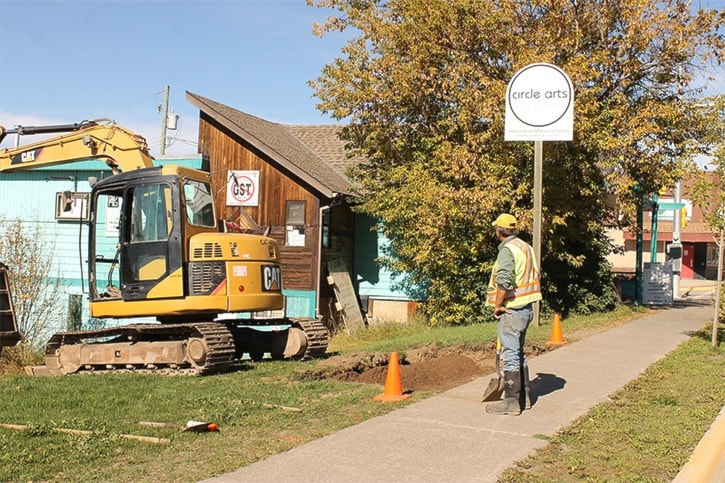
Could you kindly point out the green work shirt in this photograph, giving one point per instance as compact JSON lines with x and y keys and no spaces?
{"x":505,"y":275}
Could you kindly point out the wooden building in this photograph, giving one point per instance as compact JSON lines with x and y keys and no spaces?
{"x":290,"y":181}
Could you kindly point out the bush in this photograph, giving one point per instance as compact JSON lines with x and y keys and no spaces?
{"x":14,"y":359}
{"x":37,"y":295}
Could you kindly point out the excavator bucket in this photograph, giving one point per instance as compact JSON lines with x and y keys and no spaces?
{"x":9,"y":335}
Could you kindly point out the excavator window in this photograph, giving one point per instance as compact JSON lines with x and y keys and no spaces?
{"x":150,"y":215}
{"x":107,"y":244}
{"x":199,"y":203}
{"x":151,"y":222}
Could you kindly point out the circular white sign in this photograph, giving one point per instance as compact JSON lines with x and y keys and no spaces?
{"x":539,"y":105}
{"x":540,"y":95}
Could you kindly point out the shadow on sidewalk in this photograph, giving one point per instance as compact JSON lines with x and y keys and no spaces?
{"x":686,"y":303}
{"x":544,"y":384}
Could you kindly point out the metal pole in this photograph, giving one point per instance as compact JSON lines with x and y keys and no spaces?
{"x":653,"y":238}
{"x":718,"y":288}
{"x":164,"y":117}
{"x":538,"y":171}
{"x":676,"y":236}
{"x":639,"y":255}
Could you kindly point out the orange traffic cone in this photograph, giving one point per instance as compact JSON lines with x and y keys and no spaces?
{"x":393,"y":385}
{"x":557,"y":338}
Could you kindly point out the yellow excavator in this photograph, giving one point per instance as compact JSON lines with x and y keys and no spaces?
{"x":156,"y":249}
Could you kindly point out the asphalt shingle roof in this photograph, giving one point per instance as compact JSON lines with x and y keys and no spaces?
{"x":315,"y":154}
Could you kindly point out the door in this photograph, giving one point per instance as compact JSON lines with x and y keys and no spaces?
{"x":688,"y":260}
{"x":149,"y":244}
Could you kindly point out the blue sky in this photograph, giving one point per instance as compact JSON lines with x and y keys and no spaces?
{"x":66,"y":61}
{"x":63,"y":61}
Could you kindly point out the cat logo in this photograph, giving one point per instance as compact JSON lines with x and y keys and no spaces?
{"x":25,"y":157}
{"x":271,"y":278}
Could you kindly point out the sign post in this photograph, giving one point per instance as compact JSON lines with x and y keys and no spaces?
{"x":539,"y":107}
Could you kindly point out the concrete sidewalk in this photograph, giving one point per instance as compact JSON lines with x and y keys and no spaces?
{"x":450,"y":437}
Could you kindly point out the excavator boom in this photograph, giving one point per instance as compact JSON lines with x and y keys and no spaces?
{"x":101,"y":139}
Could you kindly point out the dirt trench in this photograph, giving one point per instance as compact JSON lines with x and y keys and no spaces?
{"x":426,"y":368}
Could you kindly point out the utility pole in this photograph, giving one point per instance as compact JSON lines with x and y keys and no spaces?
{"x":164,"y":115}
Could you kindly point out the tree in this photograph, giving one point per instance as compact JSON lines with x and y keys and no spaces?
{"x":422,"y":84}
{"x":709,"y":191}
{"x":36,"y":294}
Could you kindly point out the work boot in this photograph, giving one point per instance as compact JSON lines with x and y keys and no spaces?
{"x":526,"y":384}
{"x":511,"y":404}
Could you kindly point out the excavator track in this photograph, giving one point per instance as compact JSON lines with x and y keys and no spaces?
{"x":169,"y":349}
{"x":302,"y":338}
{"x":317,"y":337}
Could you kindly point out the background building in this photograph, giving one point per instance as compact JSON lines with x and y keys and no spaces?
{"x":699,"y":243}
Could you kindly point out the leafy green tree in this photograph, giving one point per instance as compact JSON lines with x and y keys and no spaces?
{"x":709,"y":191}
{"x":422,"y":85}
{"x":37,"y":296}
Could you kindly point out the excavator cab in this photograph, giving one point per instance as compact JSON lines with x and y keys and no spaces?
{"x":136,"y":239}
{"x":155,"y":250}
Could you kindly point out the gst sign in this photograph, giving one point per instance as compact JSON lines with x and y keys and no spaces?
{"x":243,"y":188}
{"x":271,"y":278}
{"x":26,"y":157}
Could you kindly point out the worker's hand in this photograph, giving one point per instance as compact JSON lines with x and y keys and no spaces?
{"x":499,"y":310}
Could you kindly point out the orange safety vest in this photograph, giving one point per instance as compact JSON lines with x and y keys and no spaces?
{"x":527,"y":287}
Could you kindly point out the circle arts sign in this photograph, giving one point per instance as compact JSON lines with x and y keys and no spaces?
{"x":539,"y":105}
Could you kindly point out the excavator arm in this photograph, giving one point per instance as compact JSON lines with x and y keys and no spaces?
{"x":101,"y":139}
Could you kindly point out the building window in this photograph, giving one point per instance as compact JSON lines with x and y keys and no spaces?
{"x":295,"y":224}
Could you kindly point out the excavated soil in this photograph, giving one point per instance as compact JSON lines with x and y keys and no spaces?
{"x":426,"y":368}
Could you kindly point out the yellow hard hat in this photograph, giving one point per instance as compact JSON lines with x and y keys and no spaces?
{"x":505,"y":220}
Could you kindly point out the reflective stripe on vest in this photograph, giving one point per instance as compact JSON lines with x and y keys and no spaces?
{"x":527,"y":287}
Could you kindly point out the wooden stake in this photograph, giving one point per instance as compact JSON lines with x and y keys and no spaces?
{"x":153,"y":424}
{"x":283,"y":408}
{"x":145,"y":439}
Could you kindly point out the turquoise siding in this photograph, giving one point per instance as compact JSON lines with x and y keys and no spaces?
{"x":30,"y":196}
{"x":372,"y":280}
{"x":300,"y":303}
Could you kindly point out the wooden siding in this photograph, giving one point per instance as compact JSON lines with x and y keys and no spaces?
{"x":30,"y":196}
{"x":225,"y":152}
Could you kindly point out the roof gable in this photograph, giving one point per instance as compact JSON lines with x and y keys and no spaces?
{"x":315,"y":154}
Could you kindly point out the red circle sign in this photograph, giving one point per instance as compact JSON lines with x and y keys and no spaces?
{"x":243,"y":189}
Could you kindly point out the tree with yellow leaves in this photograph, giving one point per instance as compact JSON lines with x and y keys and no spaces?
{"x":422,"y":85}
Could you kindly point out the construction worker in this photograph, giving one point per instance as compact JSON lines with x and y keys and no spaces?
{"x":512,"y":291}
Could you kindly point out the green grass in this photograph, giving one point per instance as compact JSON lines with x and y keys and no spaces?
{"x":399,"y":337}
{"x":238,"y":401}
{"x":647,"y":431}
{"x":676,"y":398}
